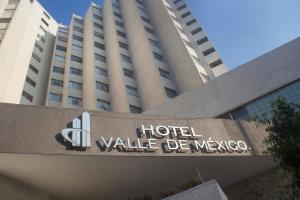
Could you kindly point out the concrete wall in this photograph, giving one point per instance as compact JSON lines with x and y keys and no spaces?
{"x":240,"y":86}
{"x":14,"y":190}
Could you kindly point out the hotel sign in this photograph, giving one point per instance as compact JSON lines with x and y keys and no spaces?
{"x":150,"y":138}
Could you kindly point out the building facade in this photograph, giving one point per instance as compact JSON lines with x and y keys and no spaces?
{"x":100,"y":60}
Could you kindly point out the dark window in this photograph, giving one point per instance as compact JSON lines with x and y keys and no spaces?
{"x":98,"y":45}
{"x":195,"y":31}
{"x":44,"y":21}
{"x":78,"y":29}
{"x":177,"y":1}
{"x":55,"y":97}
{"x":118,"y":15}
{"x":35,"y":70}
{"x":75,"y":86}
{"x":36,"y":57}
{"x":216,"y":63}
{"x":74,"y":101}
{"x":181,"y":7}
{"x":154,"y":43}
{"x":100,"y":58}
{"x":58,"y":70}
{"x":208,"y":51}
{"x":57,"y":83}
{"x":202,"y":40}
{"x":158,"y":56}
{"x":75,"y":71}
{"x":105,"y":105}
{"x":121,"y":34}
{"x":99,"y":35}
{"x":132,"y":91}
{"x":27,"y":96}
{"x":186,"y":14}
{"x":101,"y":71}
{"x":123,"y":45}
{"x":126,"y":58}
{"x":146,"y":20}
{"x":191,"y":22}
{"x":149,"y":30}
{"x":102,"y":86}
{"x":76,"y":59}
{"x":128,"y":73}
{"x":61,"y":48}
{"x":98,"y":25}
{"x":97,"y":17}
{"x":38,"y":47}
{"x":30,"y":81}
{"x":170,"y":93}
{"x":119,"y":24}
{"x":75,"y":37}
{"x":164,"y":74}
{"x":135,"y":109}
{"x":140,"y":2}
{"x":62,"y":39}
{"x":79,"y":21}
{"x":46,"y":14}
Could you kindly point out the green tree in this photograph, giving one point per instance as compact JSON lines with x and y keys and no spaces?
{"x":283,"y":143}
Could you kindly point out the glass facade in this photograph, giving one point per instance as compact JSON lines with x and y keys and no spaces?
{"x":263,"y":105}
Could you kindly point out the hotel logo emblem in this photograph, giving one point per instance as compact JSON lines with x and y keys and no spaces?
{"x":79,"y":134}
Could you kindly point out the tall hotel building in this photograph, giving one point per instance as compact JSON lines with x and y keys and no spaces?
{"x":76,"y":134}
{"x":126,"y":56}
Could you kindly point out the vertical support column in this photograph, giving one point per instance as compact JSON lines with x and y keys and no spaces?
{"x":89,"y":79}
{"x":76,"y":133}
{"x":151,"y":94}
{"x":119,"y":99}
{"x":86,"y":134}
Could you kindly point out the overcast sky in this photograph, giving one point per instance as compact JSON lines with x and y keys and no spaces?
{"x":239,"y":29}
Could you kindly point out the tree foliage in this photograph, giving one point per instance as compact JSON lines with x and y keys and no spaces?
{"x":283,"y":143}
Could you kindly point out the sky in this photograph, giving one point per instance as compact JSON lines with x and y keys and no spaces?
{"x":240,"y":30}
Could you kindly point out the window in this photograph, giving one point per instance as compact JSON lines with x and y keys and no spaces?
{"x":75,"y":71}
{"x":181,"y":7}
{"x":44,"y":21}
{"x":46,"y":14}
{"x":76,"y":48}
{"x":61,"y":48}
{"x":98,"y":35}
{"x":140,"y":2}
{"x":119,"y":24}
{"x":75,"y":37}
{"x":57,"y":83}
{"x":98,"y":25}
{"x":63,"y":30}
{"x":126,"y":58}
{"x":191,"y":22}
{"x":59,"y":58}
{"x":142,"y":9}
{"x":177,"y":1}
{"x":78,"y":21}
{"x":123,"y":45}
{"x":208,"y":51}
{"x":197,"y":60}
{"x":98,"y":45}
{"x":36,"y":57}
{"x":135,"y":109}
{"x":205,"y":77}
{"x":146,"y":19}
{"x":41,"y":38}
{"x":121,"y":34}
{"x":216,"y":63}
{"x":195,"y":31}
{"x":75,"y":85}
{"x":58,"y":70}
{"x":165,"y":74}
{"x":78,"y":29}
{"x":158,"y":56}
{"x":105,"y":105}
{"x":102,"y":86}
{"x":55,"y":97}
{"x":76,"y":59}
{"x":74,"y":101}
{"x":188,"y":43}
{"x":101,"y":71}
{"x":35,"y":70}
{"x":62,"y":39}
{"x":128,"y":73}
{"x":175,"y":19}
{"x":44,"y":30}
{"x":100,"y":58}
{"x":27,"y":96}
{"x":170,"y":93}
{"x":154,"y":43}
{"x":149,"y":30}
{"x":202,"y":40}
{"x":132,"y":91}
{"x":118,"y":15}
{"x":97,"y":17}
{"x":30,"y":81}
{"x":38,"y":47}
{"x":186,"y":14}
